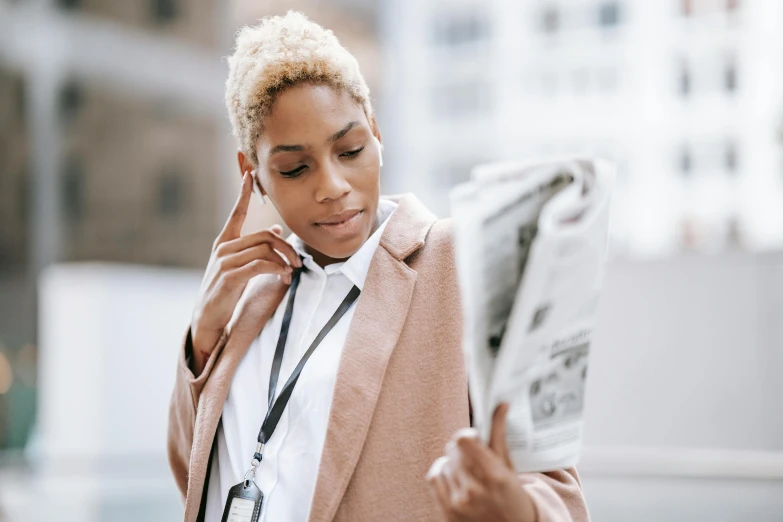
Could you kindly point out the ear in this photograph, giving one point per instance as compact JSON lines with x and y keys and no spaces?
{"x":375,"y":130}
{"x":246,"y":165}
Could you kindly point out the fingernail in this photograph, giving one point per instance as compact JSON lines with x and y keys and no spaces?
{"x":466,"y":434}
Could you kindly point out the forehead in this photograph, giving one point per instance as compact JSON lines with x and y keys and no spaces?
{"x":309,"y":114}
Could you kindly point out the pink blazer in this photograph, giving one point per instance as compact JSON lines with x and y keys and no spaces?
{"x":400,"y":393}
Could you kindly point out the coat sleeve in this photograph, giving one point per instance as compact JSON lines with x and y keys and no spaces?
{"x":183,"y":408}
{"x":557,"y":496}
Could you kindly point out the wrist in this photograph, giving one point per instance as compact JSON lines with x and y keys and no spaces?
{"x":203,"y":342}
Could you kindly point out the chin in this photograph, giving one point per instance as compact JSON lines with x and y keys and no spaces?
{"x":342,"y":248}
{"x":341,"y":242}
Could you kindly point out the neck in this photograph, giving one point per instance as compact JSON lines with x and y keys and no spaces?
{"x":322,"y":259}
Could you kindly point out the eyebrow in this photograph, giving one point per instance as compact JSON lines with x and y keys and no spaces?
{"x":299,"y":148}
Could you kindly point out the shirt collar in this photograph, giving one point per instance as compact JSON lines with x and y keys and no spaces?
{"x":357,"y":266}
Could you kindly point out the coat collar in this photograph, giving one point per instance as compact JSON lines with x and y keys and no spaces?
{"x":382,"y":307}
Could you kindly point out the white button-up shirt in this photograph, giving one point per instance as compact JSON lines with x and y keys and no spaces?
{"x":289,"y":469}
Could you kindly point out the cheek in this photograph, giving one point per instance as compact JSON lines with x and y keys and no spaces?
{"x":289,"y":202}
{"x":365,"y":174}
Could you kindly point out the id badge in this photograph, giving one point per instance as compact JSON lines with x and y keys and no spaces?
{"x":243,"y":503}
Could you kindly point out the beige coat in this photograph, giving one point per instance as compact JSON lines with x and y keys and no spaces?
{"x":399,"y":396}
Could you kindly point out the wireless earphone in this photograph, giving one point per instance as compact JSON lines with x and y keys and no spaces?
{"x":256,"y":189}
{"x":380,"y":150}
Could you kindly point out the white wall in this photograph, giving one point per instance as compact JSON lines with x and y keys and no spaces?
{"x":689,"y":353}
{"x":109,"y":336}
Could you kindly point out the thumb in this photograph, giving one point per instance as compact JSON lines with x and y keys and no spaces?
{"x":277,"y":229}
{"x":497,"y":439}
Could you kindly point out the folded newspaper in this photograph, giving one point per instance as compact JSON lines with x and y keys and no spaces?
{"x":531,"y":248}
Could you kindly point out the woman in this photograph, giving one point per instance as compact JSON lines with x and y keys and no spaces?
{"x":332,"y":407}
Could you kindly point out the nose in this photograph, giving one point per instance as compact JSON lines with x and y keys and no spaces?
{"x":332,"y":184}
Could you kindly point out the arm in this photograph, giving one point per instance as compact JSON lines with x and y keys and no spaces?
{"x":183,"y":407}
{"x":235,"y":259}
{"x":556,"y":496}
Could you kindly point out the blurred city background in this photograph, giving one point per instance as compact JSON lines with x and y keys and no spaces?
{"x":117,"y":169}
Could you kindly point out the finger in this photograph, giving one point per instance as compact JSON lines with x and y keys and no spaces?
{"x":497,"y":439}
{"x":439,"y":486}
{"x":263,"y":251}
{"x":260,"y":266}
{"x":478,"y":459}
{"x":450,"y":474}
{"x":233,"y":225}
{"x":470,"y":494}
{"x":463,"y":449}
{"x":257,"y":238}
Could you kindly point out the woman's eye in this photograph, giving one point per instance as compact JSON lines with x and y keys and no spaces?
{"x":293,"y":173}
{"x":352,"y":153}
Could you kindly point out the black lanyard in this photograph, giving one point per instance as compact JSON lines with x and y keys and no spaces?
{"x":276,"y":407}
{"x":244,"y":500}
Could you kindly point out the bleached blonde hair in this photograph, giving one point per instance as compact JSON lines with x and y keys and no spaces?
{"x":277,"y":53}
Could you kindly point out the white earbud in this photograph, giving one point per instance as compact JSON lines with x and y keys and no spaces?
{"x":256,"y":189}
{"x":380,"y":150}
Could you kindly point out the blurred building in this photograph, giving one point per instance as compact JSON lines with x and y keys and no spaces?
{"x":685,"y":95}
{"x":114,"y":148}
{"x":139,"y":179}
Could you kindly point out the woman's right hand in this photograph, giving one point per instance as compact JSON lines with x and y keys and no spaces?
{"x":234,"y":261}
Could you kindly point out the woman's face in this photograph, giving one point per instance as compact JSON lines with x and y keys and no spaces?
{"x":319,"y":165}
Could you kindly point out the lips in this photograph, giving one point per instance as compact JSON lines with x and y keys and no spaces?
{"x":342,"y":226}
{"x":339,"y":218}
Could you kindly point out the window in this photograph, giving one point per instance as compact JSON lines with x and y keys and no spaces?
{"x":23,"y":193}
{"x":164,"y":11}
{"x":607,"y":79}
{"x":685,"y":80}
{"x":71,"y":101}
{"x":609,"y":14}
{"x":730,"y":76}
{"x":466,"y":28}
{"x":467,"y":99}
{"x":72,"y":189}
{"x":686,"y":161}
{"x":549,"y":83}
{"x":69,"y":4}
{"x":550,"y":19}
{"x":170,"y":200}
{"x":730,"y":156}
{"x":581,"y":80}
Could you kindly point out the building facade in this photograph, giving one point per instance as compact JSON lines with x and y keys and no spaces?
{"x":113,"y":148}
{"x":685,"y":95}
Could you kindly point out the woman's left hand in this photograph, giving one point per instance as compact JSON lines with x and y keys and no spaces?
{"x":476,"y":482}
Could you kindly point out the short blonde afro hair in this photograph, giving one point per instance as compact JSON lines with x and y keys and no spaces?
{"x":279,"y":52}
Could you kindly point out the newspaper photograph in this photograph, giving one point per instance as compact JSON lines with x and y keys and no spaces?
{"x":531,"y":248}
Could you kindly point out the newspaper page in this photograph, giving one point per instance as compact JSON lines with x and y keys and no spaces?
{"x":531,"y":243}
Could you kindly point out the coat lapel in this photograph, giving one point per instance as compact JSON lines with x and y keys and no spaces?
{"x":377,"y":324}
{"x":257,"y":304}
